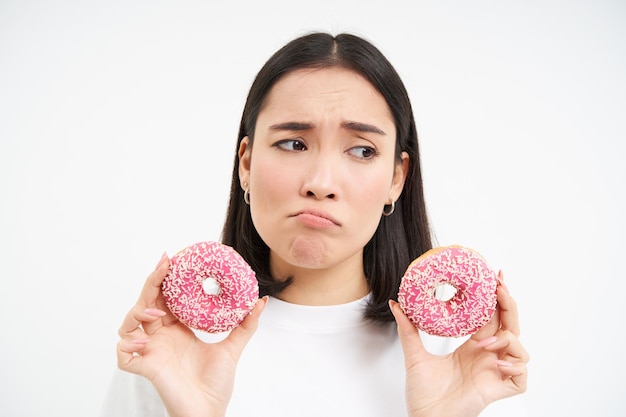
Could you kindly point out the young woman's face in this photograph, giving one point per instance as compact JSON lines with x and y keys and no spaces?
{"x":321,"y":169}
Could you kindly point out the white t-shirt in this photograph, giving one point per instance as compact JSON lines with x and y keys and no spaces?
{"x":308,"y":361}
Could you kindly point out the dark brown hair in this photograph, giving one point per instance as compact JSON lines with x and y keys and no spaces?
{"x":399,"y":238}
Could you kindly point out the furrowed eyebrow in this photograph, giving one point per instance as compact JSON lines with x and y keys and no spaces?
{"x":362,"y":127}
{"x":302,"y":126}
{"x":292,"y":126}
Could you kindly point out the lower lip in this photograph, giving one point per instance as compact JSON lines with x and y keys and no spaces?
{"x":311,"y":220}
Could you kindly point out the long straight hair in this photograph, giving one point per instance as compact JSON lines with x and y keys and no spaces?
{"x":400,"y":237}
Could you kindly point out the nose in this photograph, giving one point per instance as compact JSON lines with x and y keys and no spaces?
{"x":320,"y":180}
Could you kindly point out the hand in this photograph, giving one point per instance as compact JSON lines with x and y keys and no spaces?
{"x":489,"y":366}
{"x":192,"y":377}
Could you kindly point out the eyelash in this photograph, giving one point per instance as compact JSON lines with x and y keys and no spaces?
{"x":289,"y":145}
{"x":370,"y":150}
{"x":282,"y":145}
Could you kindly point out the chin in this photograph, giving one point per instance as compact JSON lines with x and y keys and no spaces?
{"x":308,"y":252}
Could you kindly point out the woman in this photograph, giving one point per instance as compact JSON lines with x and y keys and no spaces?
{"x":327,"y":207}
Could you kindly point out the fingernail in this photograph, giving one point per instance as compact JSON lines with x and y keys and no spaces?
{"x":486,"y":342}
{"x":141,"y":341}
{"x":265,"y":299}
{"x":155,"y":312}
{"x":163,"y":257}
{"x":501,"y":282}
{"x":503,"y":363}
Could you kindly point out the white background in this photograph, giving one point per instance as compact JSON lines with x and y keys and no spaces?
{"x":118,"y":123}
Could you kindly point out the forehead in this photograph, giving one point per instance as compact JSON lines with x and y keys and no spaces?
{"x":327,"y":90}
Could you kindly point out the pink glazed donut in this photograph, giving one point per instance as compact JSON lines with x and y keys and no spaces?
{"x":469,"y":308}
{"x":210,"y":287}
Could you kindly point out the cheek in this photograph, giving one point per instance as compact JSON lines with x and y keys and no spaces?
{"x":373,"y":187}
{"x":368,"y":197}
{"x":268,"y":188}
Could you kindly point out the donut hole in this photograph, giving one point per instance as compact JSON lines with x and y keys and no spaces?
{"x":445,"y":292}
{"x":211,"y":286}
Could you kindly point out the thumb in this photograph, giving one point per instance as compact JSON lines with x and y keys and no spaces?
{"x":409,"y":335}
{"x":241,"y":335}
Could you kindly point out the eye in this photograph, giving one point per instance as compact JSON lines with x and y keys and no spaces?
{"x":363,"y":152}
{"x":293,"y":145}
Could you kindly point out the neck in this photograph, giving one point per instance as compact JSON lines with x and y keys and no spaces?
{"x":335,"y":285}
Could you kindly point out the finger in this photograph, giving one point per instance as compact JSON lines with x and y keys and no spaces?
{"x":409,"y":335}
{"x":150,"y":308}
{"x":505,"y":316}
{"x":489,"y":329}
{"x":152,"y":287}
{"x":241,"y":335}
{"x":140,"y":316}
{"x":508,"y":346}
{"x":137,"y":334}
{"x":509,"y":318}
{"x":128,"y":352}
{"x":516,"y":373}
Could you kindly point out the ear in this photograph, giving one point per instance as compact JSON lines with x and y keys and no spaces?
{"x":244,"y":160}
{"x":401,"y":170}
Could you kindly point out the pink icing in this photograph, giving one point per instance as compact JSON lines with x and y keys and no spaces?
{"x":468,"y":310}
{"x":184,"y":294}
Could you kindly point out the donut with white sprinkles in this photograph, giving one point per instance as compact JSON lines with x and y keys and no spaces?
{"x":469,"y":278}
{"x":210,"y":287}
